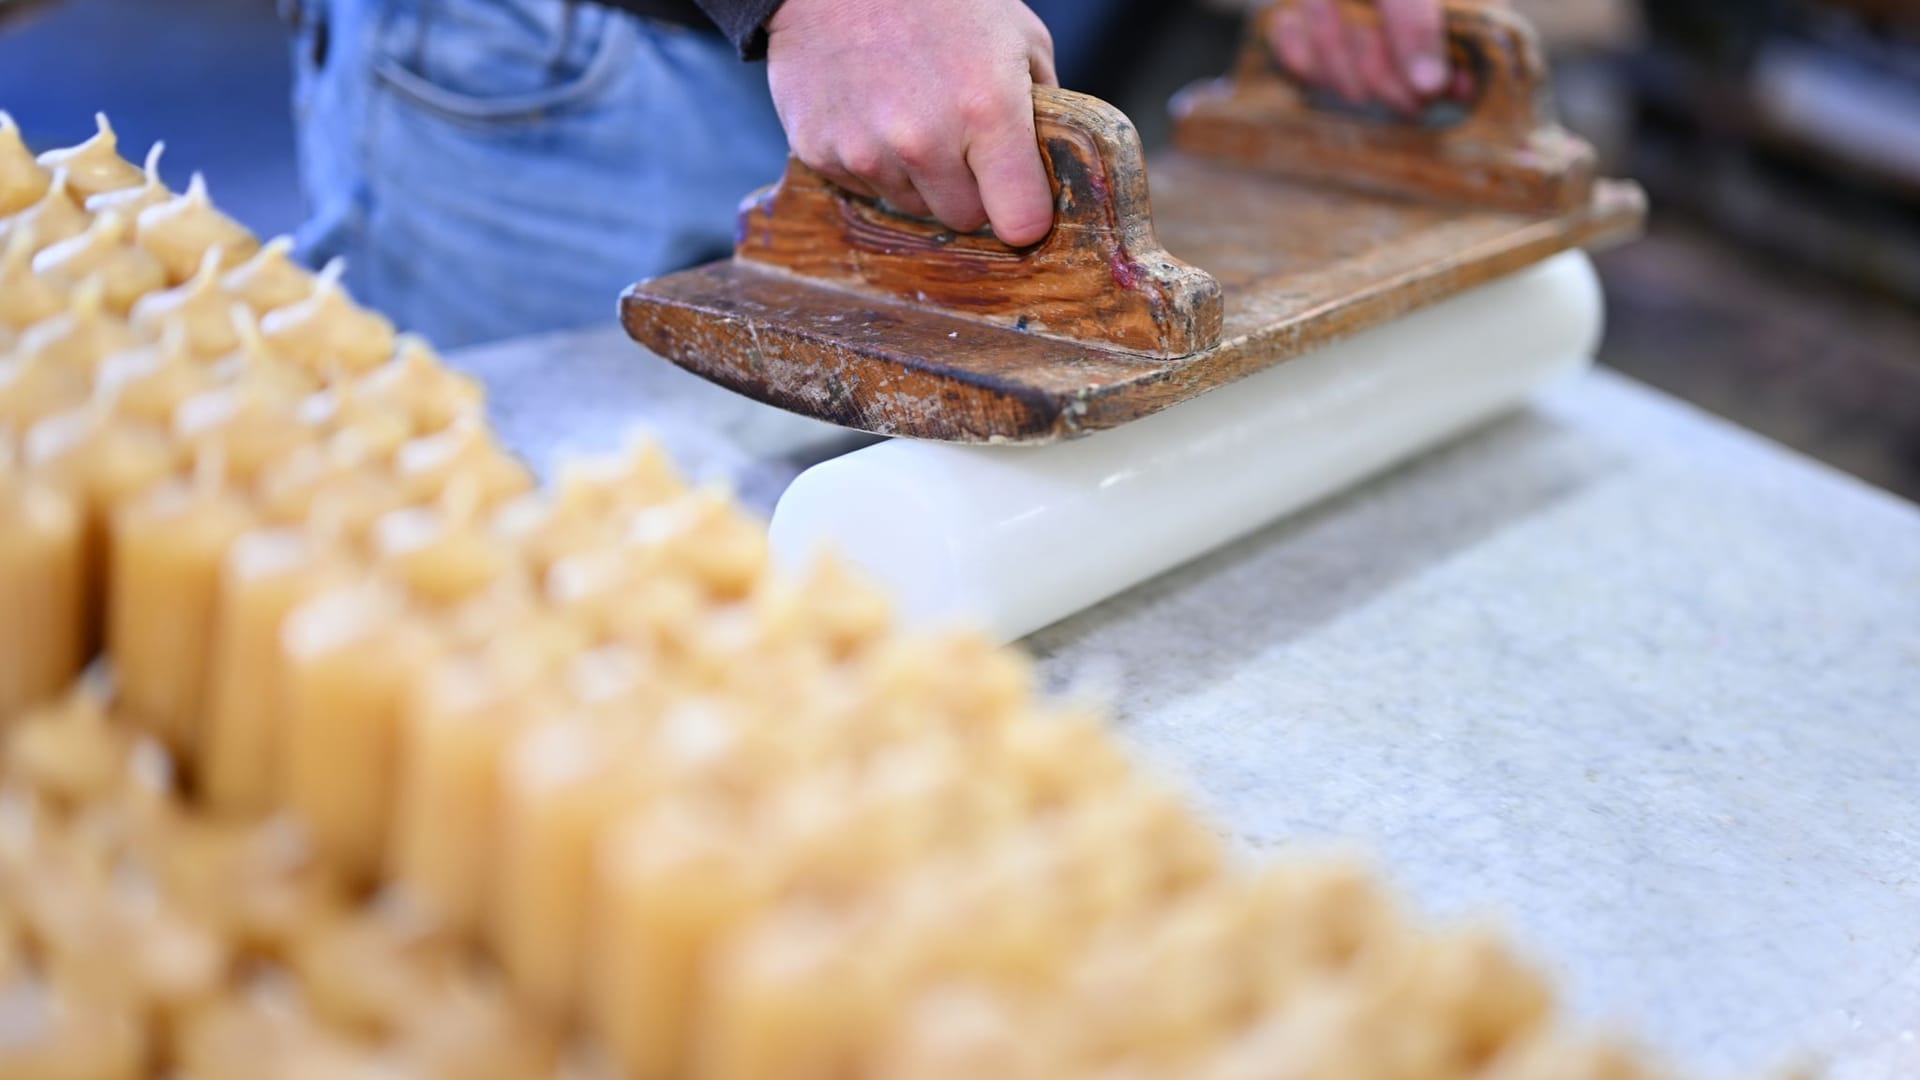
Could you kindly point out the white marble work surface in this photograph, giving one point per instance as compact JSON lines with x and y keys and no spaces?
{"x":1641,"y":686}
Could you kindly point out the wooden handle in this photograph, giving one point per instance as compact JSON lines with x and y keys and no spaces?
{"x":1100,"y":276}
{"x":1506,"y":151}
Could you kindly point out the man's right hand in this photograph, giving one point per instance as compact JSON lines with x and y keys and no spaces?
{"x":927,"y":105}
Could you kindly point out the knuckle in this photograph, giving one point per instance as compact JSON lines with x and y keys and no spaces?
{"x":917,"y":146}
{"x":862,"y":158}
{"x":989,"y":108}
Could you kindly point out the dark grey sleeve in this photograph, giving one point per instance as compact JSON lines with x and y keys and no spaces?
{"x":744,"y":22}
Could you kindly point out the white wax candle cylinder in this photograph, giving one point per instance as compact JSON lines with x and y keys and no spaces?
{"x":1015,"y":538}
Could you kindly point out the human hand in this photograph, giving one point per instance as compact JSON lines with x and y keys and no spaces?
{"x":1401,"y":61}
{"x":928,"y":106}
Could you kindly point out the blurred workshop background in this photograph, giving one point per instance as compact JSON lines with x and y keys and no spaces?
{"x":1779,"y":284}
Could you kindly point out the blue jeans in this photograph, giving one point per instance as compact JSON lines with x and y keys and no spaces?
{"x":499,"y":167}
{"x":492,"y":168}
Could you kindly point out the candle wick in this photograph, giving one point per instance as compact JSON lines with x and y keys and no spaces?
{"x":209,"y":267}
{"x":153,"y":162}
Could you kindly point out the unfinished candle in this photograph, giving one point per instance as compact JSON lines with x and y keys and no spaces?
{"x":167,"y":550}
{"x":42,"y":628}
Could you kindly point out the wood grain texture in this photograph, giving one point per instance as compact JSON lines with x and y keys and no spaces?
{"x":1305,"y":228}
{"x":1507,"y":150}
{"x":1099,"y":276}
{"x":1320,"y":265}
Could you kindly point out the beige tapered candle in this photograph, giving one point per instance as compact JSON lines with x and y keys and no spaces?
{"x":269,"y":279}
{"x":126,"y":273}
{"x":438,"y":552}
{"x":670,"y":886}
{"x":561,"y":783}
{"x":429,"y":464}
{"x":327,"y":333}
{"x":22,"y":179}
{"x":95,"y":165}
{"x":199,"y":308}
{"x":332,"y":482}
{"x":104,"y":462}
{"x":42,"y":620}
{"x":781,"y":995}
{"x":166,"y":552}
{"x":250,"y":424}
{"x":25,"y":297}
{"x":149,"y":384}
{"x":54,"y":217}
{"x":704,"y":534}
{"x":350,"y":655}
{"x":81,"y":336}
{"x":33,"y":389}
{"x":129,"y":201}
{"x":266,"y":575}
{"x":80,"y":1039}
{"x":418,"y":384}
{"x":461,"y":715}
{"x":180,"y":231}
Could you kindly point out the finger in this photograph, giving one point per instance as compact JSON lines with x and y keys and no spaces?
{"x":830,"y":168}
{"x":1287,"y":36}
{"x":942,"y":181}
{"x":1416,"y":33}
{"x":1040,"y":63}
{"x":1012,"y":181}
{"x":1328,"y":33}
{"x":878,"y":174}
{"x":1383,"y":80}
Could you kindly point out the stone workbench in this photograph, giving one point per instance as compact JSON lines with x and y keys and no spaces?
{"x":1642,"y":686}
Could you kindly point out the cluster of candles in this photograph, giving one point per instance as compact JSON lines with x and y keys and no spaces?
{"x":397,"y":765}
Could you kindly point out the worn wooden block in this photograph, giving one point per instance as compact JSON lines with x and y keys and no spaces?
{"x":1275,"y":228}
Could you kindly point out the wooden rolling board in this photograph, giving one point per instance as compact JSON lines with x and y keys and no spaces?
{"x":1316,"y":265}
{"x":1279,"y":225}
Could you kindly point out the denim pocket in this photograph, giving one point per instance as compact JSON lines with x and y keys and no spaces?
{"x":500,"y":62}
